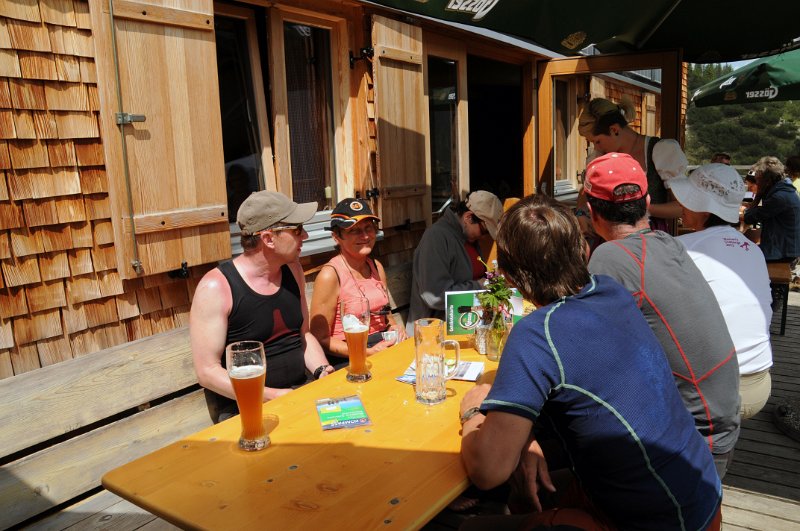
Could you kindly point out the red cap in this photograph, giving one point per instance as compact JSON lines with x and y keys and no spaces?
{"x":611,"y":170}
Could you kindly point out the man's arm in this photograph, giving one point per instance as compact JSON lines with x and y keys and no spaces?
{"x":314,"y":356}
{"x":491,"y":445}
{"x":770,"y":207}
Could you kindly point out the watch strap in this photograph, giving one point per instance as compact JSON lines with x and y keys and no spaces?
{"x":468,"y":414}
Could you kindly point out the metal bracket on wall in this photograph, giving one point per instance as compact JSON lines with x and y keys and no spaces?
{"x":364,"y":53}
{"x":124,"y":118}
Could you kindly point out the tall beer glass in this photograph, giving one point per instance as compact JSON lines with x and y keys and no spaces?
{"x":247,"y":368}
{"x":355,"y":323}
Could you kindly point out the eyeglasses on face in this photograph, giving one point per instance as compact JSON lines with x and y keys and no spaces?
{"x":297,"y":230}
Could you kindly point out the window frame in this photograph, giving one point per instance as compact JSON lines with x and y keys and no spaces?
{"x":342,"y":180}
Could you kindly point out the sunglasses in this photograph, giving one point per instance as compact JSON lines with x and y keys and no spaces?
{"x":296,"y":229}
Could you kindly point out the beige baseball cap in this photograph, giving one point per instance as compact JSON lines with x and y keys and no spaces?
{"x":264,"y":209}
{"x":488,"y":207}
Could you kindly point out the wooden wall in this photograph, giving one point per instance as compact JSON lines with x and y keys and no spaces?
{"x":60,"y":293}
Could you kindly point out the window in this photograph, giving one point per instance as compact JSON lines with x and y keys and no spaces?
{"x":240,"y":136}
{"x":307,"y":52}
{"x":443,"y":103}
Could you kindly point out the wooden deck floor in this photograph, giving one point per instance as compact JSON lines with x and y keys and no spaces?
{"x":762,"y":488}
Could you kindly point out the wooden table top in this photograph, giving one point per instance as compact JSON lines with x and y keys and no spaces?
{"x":397,"y":473}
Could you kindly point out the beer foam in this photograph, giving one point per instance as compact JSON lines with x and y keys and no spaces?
{"x":246,"y":371}
{"x":352,"y":324}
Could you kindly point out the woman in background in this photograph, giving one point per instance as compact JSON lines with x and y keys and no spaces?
{"x":352,"y":273}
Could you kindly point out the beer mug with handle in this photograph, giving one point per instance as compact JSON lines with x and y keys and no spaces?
{"x":355,"y":323}
{"x":432,"y":367}
{"x":247,"y":369}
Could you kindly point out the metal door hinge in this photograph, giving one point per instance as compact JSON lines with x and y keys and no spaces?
{"x":127,"y":118}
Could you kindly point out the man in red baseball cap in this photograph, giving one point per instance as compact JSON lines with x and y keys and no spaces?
{"x":672,"y":294}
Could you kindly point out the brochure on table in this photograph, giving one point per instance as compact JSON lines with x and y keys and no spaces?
{"x":342,"y":412}
{"x":467,"y":370}
{"x":463,"y":310}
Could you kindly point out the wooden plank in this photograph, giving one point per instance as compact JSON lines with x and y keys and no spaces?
{"x":37,"y":326}
{"x":21,"y":270}
{"x":82,"y":15}
{"x":5,"y":39}
{"x":6,"y":337}
{"x":173,"y":295}
{"x":103,"y":510}
{"x":59,"y":12}
{"x":98,"y":206}
{"x":53,"y":350}
{"x":57,"y":238}
{"x":93,"y":180}
{"x":37,"y":65}
{"x":74,"y":317}
{"x":127,"y":9}
{"x":149,"y":300}
{"x":21,"y":10}
{"x":750,"y":520}
{"x":83,"y":288}
{"x":11,"y":216}
{"x":398,"y":54}
{"x":762,"y":504}
{"x":27,"y":94}
{"x":6,"y":369}
{"x":9,"y":63}
{"x":102,"y":232}
{"x":66,"y":96}
{"x":68,"y":68}
{"x":28,"y":154}
{"x":110,"y":284}
{"x":24,"y":127}
{"x":178,"y":219}
{"x":73,"y":467}
{"x":80,"y":262}
{"x":25,"y":242}
{"x":28,"y":36}
{"x":40,"y":212}
{"x":45,"y":125}
{"x":13,"y":302}
{"x":81,"y":234}
{"x":62,"y":391}
{"x":70,"y":209}
{"x":62,"y":153}
{"x":126,"y":305}
{"x":24,"y":359}
{"x":101,"y":311}
{"x":76,"y":125}
{"x":8,"y":128}
{"x":46,"y":296}
{"x":104,"y":257}
{"x":88,"y":70}
{"x":89,"y":152}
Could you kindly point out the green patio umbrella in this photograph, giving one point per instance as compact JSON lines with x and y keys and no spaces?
{"x":774,"y":78}
{"x":708,"y":31}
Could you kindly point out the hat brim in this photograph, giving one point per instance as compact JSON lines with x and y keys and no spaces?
{"x":491,"y":227}
{"x":697,"y":200}
{"x":346,"y":223}
{"x":301,"y":214}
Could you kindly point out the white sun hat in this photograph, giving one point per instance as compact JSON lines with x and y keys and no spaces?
{"x":715,"y":188}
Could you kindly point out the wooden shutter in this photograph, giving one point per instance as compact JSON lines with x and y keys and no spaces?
{"x":401,"y":116}
{"x":177,"y":211}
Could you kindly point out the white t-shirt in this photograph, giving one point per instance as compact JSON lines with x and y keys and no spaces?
{"x":737,"y":273}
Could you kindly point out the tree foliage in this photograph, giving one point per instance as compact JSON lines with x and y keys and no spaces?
{"x":746,"y":131}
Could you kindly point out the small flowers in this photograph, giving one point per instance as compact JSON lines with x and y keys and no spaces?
{"x":497,"y":297}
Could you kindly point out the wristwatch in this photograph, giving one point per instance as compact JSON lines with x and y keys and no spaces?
{"x":468,"y":414}
{"x":319,"y":370}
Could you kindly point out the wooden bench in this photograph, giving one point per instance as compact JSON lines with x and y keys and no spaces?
{"x":65,"y":425}
{"x":780,"y":275}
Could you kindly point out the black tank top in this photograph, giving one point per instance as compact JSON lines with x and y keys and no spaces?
{"x":275,"y":320}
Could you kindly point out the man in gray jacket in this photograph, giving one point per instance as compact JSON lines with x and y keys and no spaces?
{"x":446,"y":258}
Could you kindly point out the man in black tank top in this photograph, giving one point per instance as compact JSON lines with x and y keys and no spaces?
{"x":259,"y":295}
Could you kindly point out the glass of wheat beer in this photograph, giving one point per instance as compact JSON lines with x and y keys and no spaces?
{"x":355,"y":323}
{"x":247,"y":368}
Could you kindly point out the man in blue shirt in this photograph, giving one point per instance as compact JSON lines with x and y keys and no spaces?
{"x":587,"y":364}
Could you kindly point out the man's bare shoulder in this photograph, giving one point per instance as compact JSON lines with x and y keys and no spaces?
{"x":213,"y":289}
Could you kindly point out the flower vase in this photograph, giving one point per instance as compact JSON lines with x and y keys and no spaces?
{"x":496,"y":337}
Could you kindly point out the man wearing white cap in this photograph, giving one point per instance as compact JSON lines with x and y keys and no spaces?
{"x":734,"y":268}
{"x":447,"y":257}
{"x":259,"y":295}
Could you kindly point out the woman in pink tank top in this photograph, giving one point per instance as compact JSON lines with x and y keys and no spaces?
{"x":352,"y":273}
